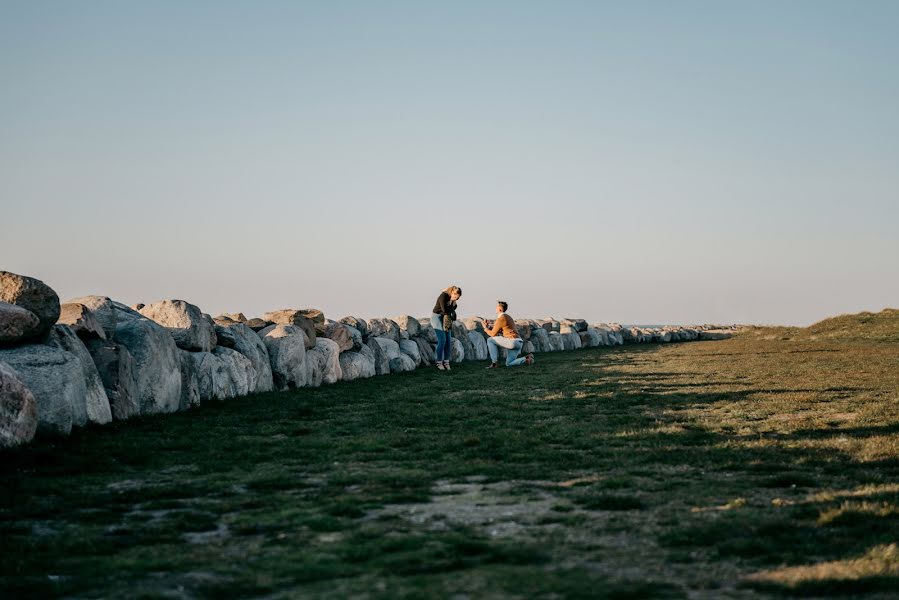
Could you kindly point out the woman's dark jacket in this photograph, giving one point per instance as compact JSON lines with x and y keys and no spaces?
{"x":445,"y":306}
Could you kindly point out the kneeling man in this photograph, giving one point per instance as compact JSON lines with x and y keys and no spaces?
{"x":503,"y":334}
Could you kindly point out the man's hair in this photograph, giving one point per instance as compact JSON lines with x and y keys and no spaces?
{"x":504,"y":305}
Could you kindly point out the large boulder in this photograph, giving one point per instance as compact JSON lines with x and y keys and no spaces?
{"x":460,"y":332}
{"x":107,"y":311}
{"x":296,"y":318}
{"x":408,"y":324}
{"x":571,"y":340}
{"x":232,"y":317}
{"x":590,"y":338}
{"x":286,"y":345}
{"x":257,"y":324}
{"x":384,"y":328}
{"x":157,"y":365}
{"x":540,"y":340}
{"x":213,"y":376}
{"x":523,"y":327}
{"x":576,"y":325}
{"x":410,"y":349}
{"x":33,"y":295}
{"x":81,"y":320}
{"x":323,"y":363}
{"x":190,"y":385}
{"x":474,"y":324}
{"x":55,"y":379}
{"x":248,"y":343}
{"x":186,"y":322}
{"x":427,"y":331}
{"x":426,"y":350}
{"x":317,"y":317}
{"x":115,"y":367}
{"x":402,"y":364}
{"x":17,"y":323}
{"x":388,"y":346}
{"x":556,"y":341}
{"x":96,"y":407}
{"x":379,"y":356}
{"x":18,"y":410}
{"x":342,"y":335}
{"x":357,"y":365}
{"x":457,"y":353}
{"x":356,"y":323}
{"x":551,"y":325}
{"x":478,"y":346}
{"x":240,"y":371}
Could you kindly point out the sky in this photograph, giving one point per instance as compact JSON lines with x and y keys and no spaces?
{"x":638,"y":162}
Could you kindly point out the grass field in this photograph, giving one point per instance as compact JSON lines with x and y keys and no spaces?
{"x":762,"y":466}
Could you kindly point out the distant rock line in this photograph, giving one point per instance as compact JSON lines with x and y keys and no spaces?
{"x":95,"y":360}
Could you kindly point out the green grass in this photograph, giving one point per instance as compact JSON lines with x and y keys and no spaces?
{"x":763,"y":465}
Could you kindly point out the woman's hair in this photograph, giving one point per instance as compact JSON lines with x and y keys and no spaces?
{"x":453,"y":288}
{"x":503,"y":305}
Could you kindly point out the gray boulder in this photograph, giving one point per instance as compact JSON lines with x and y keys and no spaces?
{"x":156,"y":364}
{"x":317,"y":317}
{"x":460,"y":332}
{"x":107,"y":311}
{"x":17,"y":323}
{"x":56,"y":381}
{"x":540,"y":340}
{"x":426,"y":350}
{"x":381,"y":360}
{"x":342,"y":335}
{"x":223,"y":335}
{"x":33,"y":295}
{"x":556,"y":341}
{"x":240,"y":371}
{"x":213,"y":376}
{"x":81,"y":320}
{"x":457,"y":354}
{"x":590,"y":338}
{"x":248,"y":343}
{"x":186,"y":322}
{"x":478,"y":346}
{"x":286,"y":345}
{"x":402,"y":364}
{"x":384,"y":328}
{"x":357,"y":365}
{"x":323,"y":363}
{"x":232,"y":317}
{"x":408,"y":324}
{"x":296,"y":318}
{"x":410,"y":349}
{"x":356,"y":323}
{"x":96,"y":407}
{"x":571,"y":341}
{"x":115,"y":366}
{"x":18,"y":409}
{"x":190,"y":385}
{"x":427,"y":331}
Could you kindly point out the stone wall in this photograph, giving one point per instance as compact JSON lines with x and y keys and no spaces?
{"x":94,"y":360}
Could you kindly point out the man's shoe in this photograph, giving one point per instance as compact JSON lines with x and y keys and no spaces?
{"x":492,"y":366}
{"x":529,"y":359}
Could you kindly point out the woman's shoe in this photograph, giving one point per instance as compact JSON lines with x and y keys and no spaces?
{"x":440,"y":365}
{"x":446,"y":365}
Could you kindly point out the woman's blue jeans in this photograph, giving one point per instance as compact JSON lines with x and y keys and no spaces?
{"x":444,"y":339}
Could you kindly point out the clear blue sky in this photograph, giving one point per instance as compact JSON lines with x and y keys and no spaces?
{"x":631,"y":161}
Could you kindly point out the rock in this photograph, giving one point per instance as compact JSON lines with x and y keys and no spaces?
{"x":526,"y":348}
{"x":427,"y":331}
{"x":233,"y":317}
{"x":342,"y":335}
{"x":426,"y":350}
{"x":286,"y":345}
{"x":715,"y":334}
{"x":402,"y":364}
{"x":33,"y":295}
{"x":571,"y":341}
{"x":590,"y":338}
{"x":384,"y":328}
{"x":107,"y":312}
{"x":240,"y":371}
{"x":356,"y":323}
{"x":473,"y":324}
{"x":56,"y":382}
{"x":96,"y":405}
{"x":190,"y":387}
{"x":577,"y":325}
{"x":223,"y":335}
{"x":381,"y":360}
{"x":457,"y":354}
{"x":258,"y":324}
{"x":213,"y":376}
{"x":248,"y":343}
{"x":556,"y":341}
{"x":323,"y":363}
{"x":186,"y":322}
{"x":357,"y":365}
{"x":408,"y":324}
{"x":460,"y":332}
{"x":478,"y":346}
{"x":115,"y":366}
{"x":540,"y":339}
{"x":410,"y":349}
{"x":157,"y":366}
{"x":389,"y":347}
{"x":18,"y":409}
{"x":296,"y":318}
{"x":17,"y":323}
{"x":317,"y":317}
{"x":523,"y":327}
{"x":551,"y":325}
{"x":81,"y":320}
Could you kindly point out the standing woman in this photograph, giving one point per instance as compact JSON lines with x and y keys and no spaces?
{"x":442,"y":321}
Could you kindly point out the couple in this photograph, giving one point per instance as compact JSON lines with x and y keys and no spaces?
{"x":500,"y":334}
